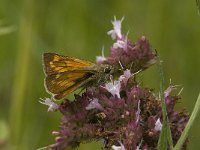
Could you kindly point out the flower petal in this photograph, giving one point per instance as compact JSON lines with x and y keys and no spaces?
{"x":52,"y":106}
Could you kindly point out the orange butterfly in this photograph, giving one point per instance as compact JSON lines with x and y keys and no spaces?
{"x":66,"y":74}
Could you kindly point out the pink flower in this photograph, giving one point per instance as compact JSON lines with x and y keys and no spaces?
{"x":120,"y":44}
{"x":52,"y":106}
{"x":158,"y":125}
{"x":100,"y":59}
{"x":125,"y":115}
{"x":169,"y":90}
{"x":116,"y":31}
{"x":94,"y":103}
{"x":114,"y":88}
{"x":127,"y":74}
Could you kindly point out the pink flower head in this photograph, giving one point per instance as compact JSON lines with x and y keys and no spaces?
{"x":123,"y":113}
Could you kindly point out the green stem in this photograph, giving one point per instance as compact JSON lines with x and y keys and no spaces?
{"x":165,"y":134}
{"x":185,"y":133}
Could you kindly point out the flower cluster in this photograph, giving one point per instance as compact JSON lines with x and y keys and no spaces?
{"x":125,"y":115}
{"x":134,"y":56}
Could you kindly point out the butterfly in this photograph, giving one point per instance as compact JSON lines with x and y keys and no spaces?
{"x":64,"y":74}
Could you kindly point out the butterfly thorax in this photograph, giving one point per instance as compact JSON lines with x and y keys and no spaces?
{"x":102,"y":73}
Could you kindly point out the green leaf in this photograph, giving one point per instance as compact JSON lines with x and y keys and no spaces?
{"x":162,"y":143}
{"x":185,"y":133}
{"x":165,"y":135}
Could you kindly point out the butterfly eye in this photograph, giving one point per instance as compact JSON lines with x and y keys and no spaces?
{"x":107,"y":69}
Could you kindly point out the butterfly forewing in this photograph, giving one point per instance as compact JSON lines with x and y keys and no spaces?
{"x":57,"y":63}
{"x":66,"y":74}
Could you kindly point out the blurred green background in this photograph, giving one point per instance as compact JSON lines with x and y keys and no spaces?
{"x":78,"y":28}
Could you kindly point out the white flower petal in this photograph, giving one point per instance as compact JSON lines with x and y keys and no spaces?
{"x":114,"y":88}
{"x":116,"y":147}
{"x":158,"y":125}
{"x":127,"y":74}
{"x":94,"y":103}
{"x":112,"y":33}
{"x":121,"y":147}
{"x":116,"y":32}
{"x":52,"y":106}
{"x":138,"y":112}
{"x":100,"y":59}
{"x":120,"y":44}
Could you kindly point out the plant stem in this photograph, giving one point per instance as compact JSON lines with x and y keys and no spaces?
{"x":185,"y":133}
{"x":165,"y":135}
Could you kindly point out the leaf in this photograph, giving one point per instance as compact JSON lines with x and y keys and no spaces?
{"x":165,"y":135}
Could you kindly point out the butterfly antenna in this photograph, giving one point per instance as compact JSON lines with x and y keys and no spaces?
{"x":170,"y":82}
{"x":137,"y":72}
{"x":180,"y":91}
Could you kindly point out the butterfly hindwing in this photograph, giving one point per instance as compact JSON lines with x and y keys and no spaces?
{"x":65,"y":83}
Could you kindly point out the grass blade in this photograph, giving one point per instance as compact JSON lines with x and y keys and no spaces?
{"x":165,"y":135}
{"x":185,"y":133}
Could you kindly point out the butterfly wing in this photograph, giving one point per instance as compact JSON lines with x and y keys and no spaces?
{"x":65,"y":74}
{"x":54,"y":63}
